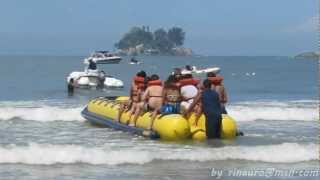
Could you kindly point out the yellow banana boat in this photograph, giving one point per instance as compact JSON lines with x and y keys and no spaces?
{"x":104,"y":111}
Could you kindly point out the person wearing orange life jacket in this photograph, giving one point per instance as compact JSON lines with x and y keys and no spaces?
{"x":151,"y":99}
{"x":188,"y":90}
{"x":136,"y":91}
{"x":171,"y":96}
{"x":218,"y":86}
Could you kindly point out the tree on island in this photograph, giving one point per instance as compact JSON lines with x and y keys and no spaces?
{"x":176,"y":35}
{"x":134,"y":37}
{"x":161,"y":40}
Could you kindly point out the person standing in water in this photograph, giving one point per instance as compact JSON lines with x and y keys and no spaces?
{"x":211,"y":109}
{"x":218,"y":86}
{"x":71,"y":87}
{"x":92,"y":65}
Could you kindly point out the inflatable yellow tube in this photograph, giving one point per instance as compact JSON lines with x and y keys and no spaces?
{"x":169,"y":127}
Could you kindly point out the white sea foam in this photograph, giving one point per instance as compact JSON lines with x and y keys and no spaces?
{"x":69,"y":154}
{"x":304,"y":110}
{"x":250,"y":111}
{"x":42,"y":113}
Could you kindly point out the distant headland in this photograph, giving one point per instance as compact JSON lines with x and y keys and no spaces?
{"x":141,"y":41}
{"x":308,"y":55}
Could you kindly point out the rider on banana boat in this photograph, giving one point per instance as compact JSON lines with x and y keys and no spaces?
{"x":171,"y":96}
{"x":218,"y":86}
{"x":188,"y":90}
{"x":151,"y":100}
{"x":136,"y":91}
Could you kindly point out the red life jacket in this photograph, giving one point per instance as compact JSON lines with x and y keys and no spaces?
{"x":216,"y":80}
{"x":189,"y":81}
{"x":155,"y":83}
{"x":139,"y":81}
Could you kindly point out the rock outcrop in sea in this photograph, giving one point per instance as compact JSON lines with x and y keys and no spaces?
{"x":308,"y":55}
{"x":141,"y":50}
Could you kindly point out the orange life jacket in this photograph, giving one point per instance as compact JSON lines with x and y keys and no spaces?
{"x":216,"y":80}
{"x":139,"y":81}
{"x":189,"y":81}
{"x":155,"y":83}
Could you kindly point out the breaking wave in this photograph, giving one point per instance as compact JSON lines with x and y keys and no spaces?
{"x":242,"y":111}
{"x":42,"y":113}
{"x":296,"y":110}
{"x":69,"y":154}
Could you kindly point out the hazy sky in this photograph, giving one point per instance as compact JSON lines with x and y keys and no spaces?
{"x":213,"y":27}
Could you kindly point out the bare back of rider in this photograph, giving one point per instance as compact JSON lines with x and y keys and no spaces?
{"x":151,"y":100}
{"x":155,"y":100}
{"x":154,"y":96}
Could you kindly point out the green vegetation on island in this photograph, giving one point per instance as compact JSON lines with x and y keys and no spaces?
{"x":140,"y":40}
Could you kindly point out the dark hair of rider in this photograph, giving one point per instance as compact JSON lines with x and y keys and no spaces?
{"x":154,"y":77}
{"x":207,"y":84}
{"x":141,"y":74}
{"x":211,"y":74}
{"x":187,"y":76}
{"x":170,"y":81}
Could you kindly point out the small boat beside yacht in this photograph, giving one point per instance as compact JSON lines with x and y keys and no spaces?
{"x":91,"y":77}
{"x":94,"y":79}
{"x":103,"y":57}
{"x":134,"y":61}
{"x":194,"y":70}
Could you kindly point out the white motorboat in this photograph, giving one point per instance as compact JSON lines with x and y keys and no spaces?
{"x":112,"y":82}
{"x":103,"y":57}
{"x":94,"y":78}
{"x":194,"y":70}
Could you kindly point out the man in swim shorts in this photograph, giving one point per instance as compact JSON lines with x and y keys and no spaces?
{"x":211,"y":109}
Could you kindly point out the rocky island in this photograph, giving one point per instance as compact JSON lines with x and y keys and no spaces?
{"x":308,"y":55}
{"x":142,"y":41}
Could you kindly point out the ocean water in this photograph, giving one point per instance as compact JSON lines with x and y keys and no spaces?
{"x":43,"y":136}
